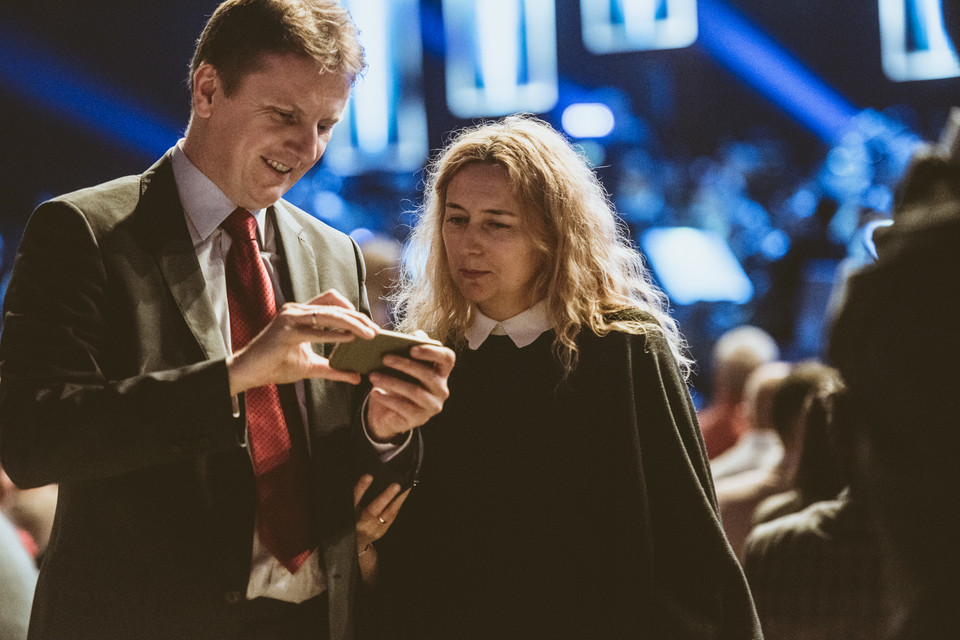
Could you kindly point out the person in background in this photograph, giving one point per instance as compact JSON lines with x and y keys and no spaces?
{"x":18,"y":578}
{"x":566,"y":493}
{"x":896,"y":343}
{"x":30,"y":511}
{"x":739,"y":495}
{"x":818,"y":475}
{"x":164,"y":361}
{"x":735,"y":355}
{"x":381,"y":253}
{"x":817,"y":573}
{"x":760,"y":446}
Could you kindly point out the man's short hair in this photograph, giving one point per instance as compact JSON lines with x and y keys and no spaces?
{"x":240,"y":32}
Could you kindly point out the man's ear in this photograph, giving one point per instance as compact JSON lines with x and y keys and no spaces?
{"x":206,"y":86}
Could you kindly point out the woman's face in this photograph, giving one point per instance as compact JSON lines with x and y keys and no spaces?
{"x":489,"y":248}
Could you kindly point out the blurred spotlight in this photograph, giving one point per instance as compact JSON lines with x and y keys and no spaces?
{"x":500,"y":56}
{"x":361,"y":235}
{"x":913,"y":43}
{"x":611,"y":26}
{"x":384,"y":127}
{"x":694,"y":265}
{"x":587,"y":120}
{"x":330,"y":207}
{"x":775,"y":245}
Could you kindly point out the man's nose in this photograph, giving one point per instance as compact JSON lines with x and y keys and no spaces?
{"x":307,"y":143}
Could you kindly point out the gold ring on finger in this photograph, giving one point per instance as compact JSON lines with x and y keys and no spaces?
{"x":382,"y":521}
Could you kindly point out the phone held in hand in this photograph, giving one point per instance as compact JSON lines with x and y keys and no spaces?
{"x":365,"y":356}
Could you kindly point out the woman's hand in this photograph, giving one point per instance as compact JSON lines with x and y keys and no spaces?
{"x":373,"y":521}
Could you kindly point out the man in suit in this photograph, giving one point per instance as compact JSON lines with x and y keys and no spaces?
{"x":137,"y":374}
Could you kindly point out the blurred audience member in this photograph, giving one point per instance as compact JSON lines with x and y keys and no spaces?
{"x":31,"y":511}
{"x":818,"y":476}
{"x":897,"y":343}
{"x":381,"y":254}
{"x":739,"y":495}
{"x":736,"y":354}
{"x":18,"y":577}
{"x":760,"y":446}
{"x":815,"y":574}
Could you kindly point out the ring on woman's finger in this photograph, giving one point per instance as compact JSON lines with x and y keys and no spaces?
{"x":313,"y":319}
{"x":382,"y":521}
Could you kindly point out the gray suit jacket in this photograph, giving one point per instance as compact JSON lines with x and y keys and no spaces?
{"x":114,"y":385}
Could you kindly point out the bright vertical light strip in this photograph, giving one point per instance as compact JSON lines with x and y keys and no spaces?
{"x":771,"y":70}
{"x":498,"y":44}
{"x":384,"y":127}
{"x":937,"y":59}
{"x":640,"y":18}
{"x":501,"y":56}
{"x":372,"y":95}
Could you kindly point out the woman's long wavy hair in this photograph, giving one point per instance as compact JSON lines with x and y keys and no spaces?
{"x":591,"y":275}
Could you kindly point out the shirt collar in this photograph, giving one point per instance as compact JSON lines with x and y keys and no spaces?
{"x":204,"y":203}
{"x":523,"y":328}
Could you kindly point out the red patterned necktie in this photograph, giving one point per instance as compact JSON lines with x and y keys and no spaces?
{"x":281,"y":467}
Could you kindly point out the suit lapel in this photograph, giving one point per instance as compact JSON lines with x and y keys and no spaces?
{"x":303,"y":278}
{"x":298,"y":255}
{"x":167,"y":234}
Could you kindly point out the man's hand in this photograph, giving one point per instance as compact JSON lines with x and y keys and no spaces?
{"x":396,"y":405}
{"x":282,"y":353}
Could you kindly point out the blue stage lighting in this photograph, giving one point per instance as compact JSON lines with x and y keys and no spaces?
{"x":587,"y":120}
{"x":70,"y":93}
{"x":611,"y":26}
{"x":384,"y":126}
{"x":694,"y":265}
{"x":772,"y":71}
{"x":500,"y":56}
{"x":913,"y":43}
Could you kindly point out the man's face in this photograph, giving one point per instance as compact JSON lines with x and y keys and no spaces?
{"x":257,"y":143}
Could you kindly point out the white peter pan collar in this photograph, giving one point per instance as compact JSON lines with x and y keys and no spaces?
{"x":523,"y":328}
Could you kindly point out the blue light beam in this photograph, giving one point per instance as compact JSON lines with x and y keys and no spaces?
{"x":773,"y":72}
{"x":42,"y":79}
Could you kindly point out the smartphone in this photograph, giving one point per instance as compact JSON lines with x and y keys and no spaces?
{"x":364,"y":356}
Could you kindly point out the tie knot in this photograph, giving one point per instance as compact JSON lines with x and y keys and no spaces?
{"x":241,"y":225}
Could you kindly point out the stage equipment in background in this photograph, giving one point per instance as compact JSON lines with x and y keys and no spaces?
{"x":384,"y":127}
{"x":913,"y":43}
{"x":612,"y":26}
{"x":501,"y":56}
{"x":694,"y":265}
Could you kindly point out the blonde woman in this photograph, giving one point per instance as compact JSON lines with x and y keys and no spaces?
{"x":564,"y":491}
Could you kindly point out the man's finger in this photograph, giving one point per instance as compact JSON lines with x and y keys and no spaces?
{"x":361,"y":488}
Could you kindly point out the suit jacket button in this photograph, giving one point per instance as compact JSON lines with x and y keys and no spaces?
{"x":232,"y":597}
{"x":176,"y":451}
